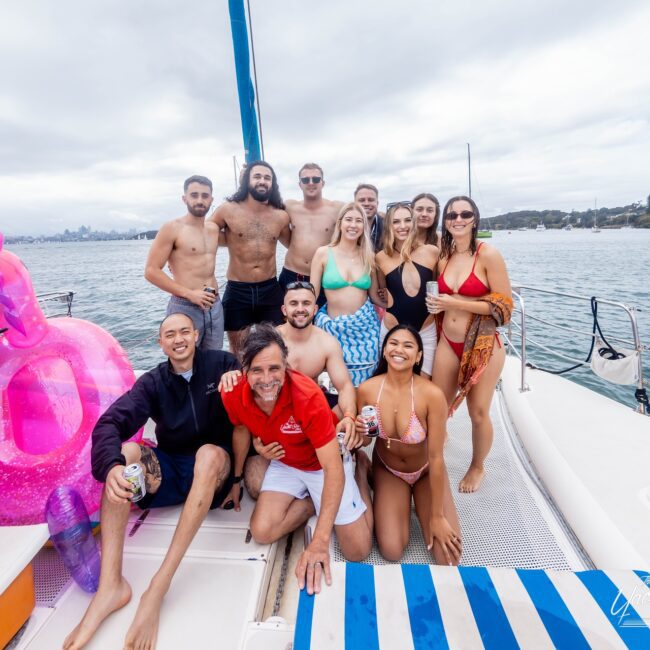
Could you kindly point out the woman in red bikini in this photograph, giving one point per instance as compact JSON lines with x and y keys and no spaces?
{"x":408,"y":455}
{"x":475,"y":297}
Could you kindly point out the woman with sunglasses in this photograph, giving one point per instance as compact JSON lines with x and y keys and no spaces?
{"x":408,"y":457}
{"x":426,"y":209}
{"x":404,"y":267}
{"x":474,"y":299}
{"x":345,"y":270}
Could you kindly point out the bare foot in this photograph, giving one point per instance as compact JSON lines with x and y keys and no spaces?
{"x":104,"y":603}
{"x":472,"y":479}
{"x":143,"y":632}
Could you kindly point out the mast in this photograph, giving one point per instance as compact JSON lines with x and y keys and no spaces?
{"x":246,"y":91}
{"x":469,"y":171}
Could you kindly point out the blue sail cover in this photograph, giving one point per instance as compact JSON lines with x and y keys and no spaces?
{"x":245,"y":88}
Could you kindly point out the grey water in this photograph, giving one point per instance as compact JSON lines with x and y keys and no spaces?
{"x":110,"y":290}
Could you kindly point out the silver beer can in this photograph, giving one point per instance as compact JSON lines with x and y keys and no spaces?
{"x":345,"y":454}
{"x":369,"y":414}
{"x":432,"y":288}
{"x":134,"y":475}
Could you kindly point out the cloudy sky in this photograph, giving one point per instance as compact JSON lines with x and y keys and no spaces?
{"x":106,"y":106}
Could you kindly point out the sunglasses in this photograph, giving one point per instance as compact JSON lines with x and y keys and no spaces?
{"x":300,"y":284}
{"x":306,"y":180}
{"x":401,"y":204}
{"x":465,"y":214}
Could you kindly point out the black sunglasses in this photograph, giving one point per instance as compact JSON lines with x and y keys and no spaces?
{"x":465,"y":214}
{"x":305,"y":180}
{"x":300,"y":284}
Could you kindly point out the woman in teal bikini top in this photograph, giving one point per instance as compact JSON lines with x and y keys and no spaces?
{"x":332,"y":278}
{"x":345,"y":271}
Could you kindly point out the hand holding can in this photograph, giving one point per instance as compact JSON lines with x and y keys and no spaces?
{"x":432,"y":292}
{"x":369,"y":414}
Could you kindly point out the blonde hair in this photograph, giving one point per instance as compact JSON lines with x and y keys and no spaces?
{"x":410,"y":244}
{"x":365,"y":248}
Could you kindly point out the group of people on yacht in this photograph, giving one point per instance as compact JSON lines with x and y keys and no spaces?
{"x":351,"y":301}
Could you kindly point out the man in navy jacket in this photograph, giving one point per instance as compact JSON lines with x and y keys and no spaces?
{"x":192,"y":464}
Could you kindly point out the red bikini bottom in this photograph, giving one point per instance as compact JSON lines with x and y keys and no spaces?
{"x":457,"y":346}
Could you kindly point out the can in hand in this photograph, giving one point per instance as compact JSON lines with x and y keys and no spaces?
{"x":432,"y":288}
{"x":134,"y":475}
{"x":369,"y":414}
{"x":345,"y":454}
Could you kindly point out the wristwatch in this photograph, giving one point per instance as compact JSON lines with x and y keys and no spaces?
{"x":237,"y":479}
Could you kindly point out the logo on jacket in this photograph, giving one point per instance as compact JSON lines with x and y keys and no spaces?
{"x":290,"y":427}
{"x":211,"y":388}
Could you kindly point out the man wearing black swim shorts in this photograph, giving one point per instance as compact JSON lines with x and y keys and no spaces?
{"x":192,"y":464}
{"x":253,"y":220}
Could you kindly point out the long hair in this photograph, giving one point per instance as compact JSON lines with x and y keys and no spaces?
{"x":431,"y":236}
{"x":382,"y":366}
{"x":409,"y":245}
{"x":365,"y":247}
{"x":275,"y":200}
{"x":447,"y":241}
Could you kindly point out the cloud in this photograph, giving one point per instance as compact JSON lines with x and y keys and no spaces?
{"x":108,"y":106}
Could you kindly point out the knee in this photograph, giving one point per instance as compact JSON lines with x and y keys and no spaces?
{"x":391,"y":549}
{"x":262,"y":530}
{"x":479,"y":415}
{"x":358,"y":551}
{"x":211,"y":461}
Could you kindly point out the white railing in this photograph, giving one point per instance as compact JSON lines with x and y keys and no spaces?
{"x":524,"y":316}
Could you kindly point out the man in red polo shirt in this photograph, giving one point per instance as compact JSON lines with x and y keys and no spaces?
{"x":281,"y":405}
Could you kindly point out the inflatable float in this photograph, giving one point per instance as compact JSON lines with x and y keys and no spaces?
{"x":57,"y":377}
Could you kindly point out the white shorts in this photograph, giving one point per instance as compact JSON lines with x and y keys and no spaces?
{"x":300,"y":484}
{"x":429,"y":341}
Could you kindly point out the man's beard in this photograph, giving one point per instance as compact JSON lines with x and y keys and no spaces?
{"x":292,"y":322}
{"x":197,"y":212}
{"x":259,"y":196}
{"x":269,"y":398}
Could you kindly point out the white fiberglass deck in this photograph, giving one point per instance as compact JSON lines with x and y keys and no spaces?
{"x":224,"y":574}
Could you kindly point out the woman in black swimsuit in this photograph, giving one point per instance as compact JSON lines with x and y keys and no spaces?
{"x":404,"y":267}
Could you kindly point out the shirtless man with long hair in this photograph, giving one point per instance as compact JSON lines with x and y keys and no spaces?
{"x":253,"y":220}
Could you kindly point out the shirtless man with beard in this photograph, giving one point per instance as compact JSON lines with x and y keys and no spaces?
{"x":253,"y":221}
{"x":189,"y":246}
{"x":312,"y":224}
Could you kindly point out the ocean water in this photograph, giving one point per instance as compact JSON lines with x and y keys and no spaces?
{"x":110,"y":290}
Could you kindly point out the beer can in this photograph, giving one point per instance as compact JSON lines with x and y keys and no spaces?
{"x":134,"y":475}
{"x":369,"y":414}
{"x":432,"y":288}
{"x":340,"y":438}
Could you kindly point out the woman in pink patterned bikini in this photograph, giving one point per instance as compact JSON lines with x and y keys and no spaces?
{"x":408,"y":457}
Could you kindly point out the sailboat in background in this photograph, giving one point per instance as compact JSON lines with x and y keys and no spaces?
{"x":595,"y":227}
{"x":481,"y":234}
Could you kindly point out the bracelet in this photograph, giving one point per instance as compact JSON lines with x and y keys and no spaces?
{"x":349,"y":415}
{"x":237,"y":479}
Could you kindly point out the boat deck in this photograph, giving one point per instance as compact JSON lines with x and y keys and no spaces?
{"x":508,"y":523}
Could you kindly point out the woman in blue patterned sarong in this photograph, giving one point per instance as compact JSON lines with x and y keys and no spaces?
{"x":345,"y":270}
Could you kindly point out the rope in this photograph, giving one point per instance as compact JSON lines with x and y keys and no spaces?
{"x":594,"y":327}
{"x":608,"y":352}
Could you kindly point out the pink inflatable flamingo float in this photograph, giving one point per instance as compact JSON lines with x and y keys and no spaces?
{"x":57,"y":377}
